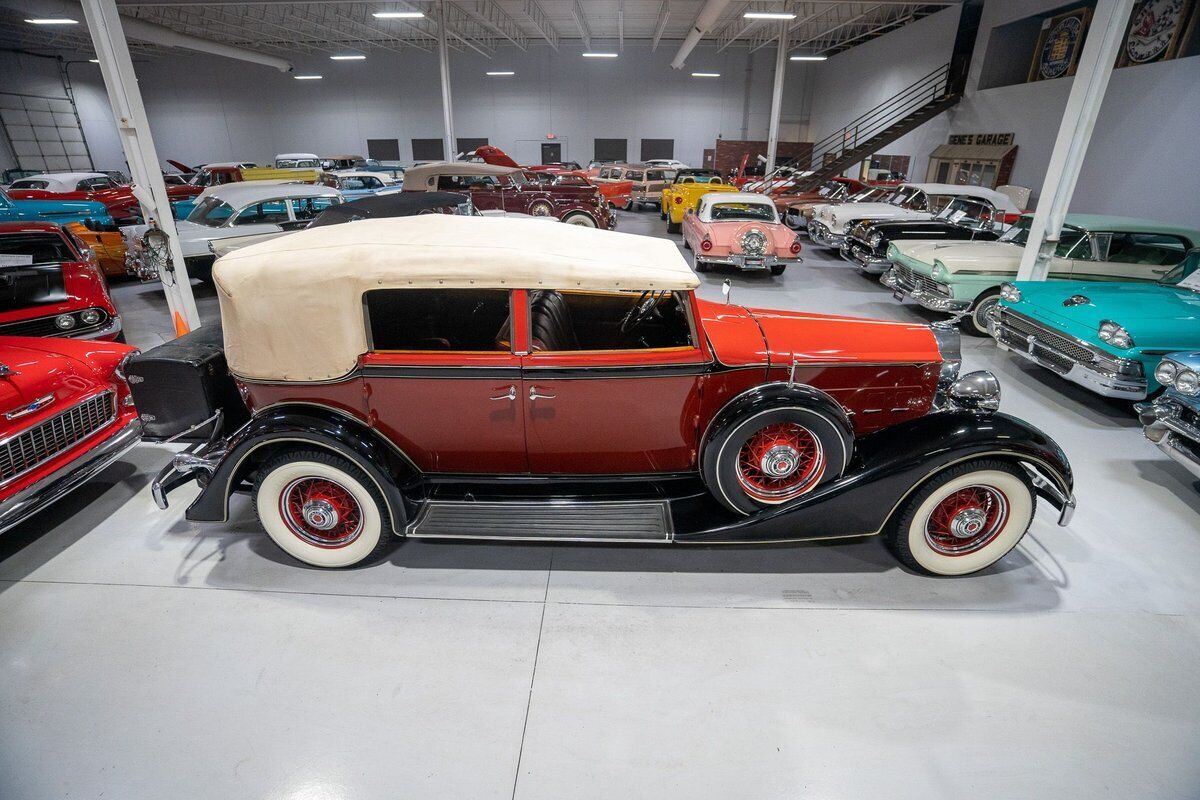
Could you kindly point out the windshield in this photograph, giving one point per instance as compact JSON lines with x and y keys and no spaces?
{"x":868,"y":195}
{"x":904,"y":197}
{"x":967,"y":212}
{"x":570,"y":180}
{"x":1068,"y":240}
{"x":211,"y":212}
{"x":732,"y":211}
{"x":832,"y":190}
{"x":1186,"y":274}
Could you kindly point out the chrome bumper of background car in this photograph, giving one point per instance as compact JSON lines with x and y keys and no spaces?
{"x":865,"y":259}
{"x":45,"y":491}
{"x":904,"y":285}
{"x":1119,"y":378}
{"x":819,"y":234}
{"x":748,"y":263}
{"x":111,"y":329}
{"x":1164,"y":425}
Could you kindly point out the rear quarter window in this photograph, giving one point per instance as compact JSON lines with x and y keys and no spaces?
{"x":438,"y":320}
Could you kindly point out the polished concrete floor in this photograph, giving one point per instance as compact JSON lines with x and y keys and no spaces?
{"x":143,"y":656}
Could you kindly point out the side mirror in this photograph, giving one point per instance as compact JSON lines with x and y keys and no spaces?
{"x":726,"y":288}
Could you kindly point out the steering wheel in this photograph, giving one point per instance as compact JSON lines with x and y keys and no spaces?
{"x":645,"y":307}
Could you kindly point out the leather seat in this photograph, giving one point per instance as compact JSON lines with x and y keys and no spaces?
{"x":550,"y":321}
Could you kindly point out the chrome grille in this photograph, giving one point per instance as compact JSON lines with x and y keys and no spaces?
{"x":913,"y":281}
{"x":45,"y":326}
{"x":1046,"y":338}
{"x":44,"y":441}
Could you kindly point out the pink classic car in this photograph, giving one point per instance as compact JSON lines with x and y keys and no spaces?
{"x":739,"y":230}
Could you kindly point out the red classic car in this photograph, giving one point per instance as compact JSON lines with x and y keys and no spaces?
{"x":51,"y":285}
{"x":616,"y":193}
{"x":501,"y":378}
{"x":834,"y":190}
{"x":118,"y":198}
{"x":67,"y":414}
{"x":508,"y":189}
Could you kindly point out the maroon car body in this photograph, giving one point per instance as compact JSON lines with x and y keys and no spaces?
{"x":508,"y":189}
{"x":51,"y":285}
{"x":65,"y":415}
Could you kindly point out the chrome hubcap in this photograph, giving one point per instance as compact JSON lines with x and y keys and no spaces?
{"x":780,"y":461}
{"x":320,"y":514}
{"x":968,"y":523}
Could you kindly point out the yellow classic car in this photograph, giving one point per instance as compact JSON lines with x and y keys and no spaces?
{"x":685,"y":192}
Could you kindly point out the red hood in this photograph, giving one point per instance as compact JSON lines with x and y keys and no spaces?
{"x":744,"y":336}
{"x":66,"y":368}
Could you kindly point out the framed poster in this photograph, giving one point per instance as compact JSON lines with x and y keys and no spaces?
{"x":1059,"y":45}
{"x":1155,"y":31}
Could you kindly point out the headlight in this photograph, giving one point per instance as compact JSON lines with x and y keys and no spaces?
{"x":1010,"y":293}
{"x":1165,"y":373}
{"x":64,"y":322}
{"x":875,"y":239}
{"x":1115,"y":335}
{"x":91,"y":316}
{"x":1187,"y":382}
{"x":940,"y":273}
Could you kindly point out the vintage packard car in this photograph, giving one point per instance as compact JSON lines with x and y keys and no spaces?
{"x":965,"y":219}
{"x":66,"y":415}
{"x":685,"y":192}
{"x":1172,"y":421}
{"x":909,"y":201}
{"x":964,"y":278}
{"x":51,"y":285}
{"x":507,"y":189}
{"x":493,"y":378}
{"x":741,"y":230}
{"x":615,"y":193}
{"x":1106,"y":337}
{"x":253,"y":210}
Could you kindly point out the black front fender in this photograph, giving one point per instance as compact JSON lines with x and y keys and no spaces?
{"x":315,"y":426}
{"x":888,"y":466}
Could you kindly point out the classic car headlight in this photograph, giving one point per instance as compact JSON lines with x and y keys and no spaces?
{"x":875,"y":239}
{"x":979,"y":390}
{"x":940,"y":273}
{"x":1165,"y":373}
{"x":1115,"y":335}
{"x":1010,"y":293}
{"x":64,"y":322}
{"x":1187,"y":382}
{"x":91,"y":316}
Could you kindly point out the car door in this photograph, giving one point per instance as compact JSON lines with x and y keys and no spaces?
{"x":601,"y":403}
{"x":442,"y":380}
{"x":1128,"y":256}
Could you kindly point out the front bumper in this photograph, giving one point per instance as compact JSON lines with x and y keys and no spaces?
{"x":820,"y":234}
{"x":924,"y":291}
{"x":747,"y":263}
{"x":37,"y":496}
{"x":1165,"y":426}
{"x":861,"y":254}
{"x":1069,"y":358}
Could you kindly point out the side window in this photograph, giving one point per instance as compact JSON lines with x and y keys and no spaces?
{"x":370,"y":182}
{"x":654,"y":175}
{"x":439,"y":320}
{"x":308,"y":207}
{"x":1154,"y":249}
{"x":1073,"y":243}
{"x":573,"y":321}
{"x":268,"y":212}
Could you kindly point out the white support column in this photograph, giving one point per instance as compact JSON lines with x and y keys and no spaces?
{"x":1104,"y":36}
{"x":444,"y":64}
{"x":134,"y":129}
{"x":777,"y":97}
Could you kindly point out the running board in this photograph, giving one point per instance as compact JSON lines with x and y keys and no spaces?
{"x":545,"y":520}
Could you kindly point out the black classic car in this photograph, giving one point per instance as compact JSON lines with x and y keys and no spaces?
{"x":963,"y":219}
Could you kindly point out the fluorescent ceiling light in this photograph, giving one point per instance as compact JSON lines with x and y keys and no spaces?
{"x":706,"y":74}
{"x":808,"y":58}
{"x":498,"y":73}
{"x":769,"y":15}
{"x":348,"y":57}
{"x":307,"y":77}
{"x":52,"y":21}
{"x":398,"y":14}
{"x":599,"y":55}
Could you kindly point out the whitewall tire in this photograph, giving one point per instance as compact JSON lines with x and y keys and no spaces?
{"x":965,"y":519}
{"x":580,"y":219}
{"x":322,"y":509}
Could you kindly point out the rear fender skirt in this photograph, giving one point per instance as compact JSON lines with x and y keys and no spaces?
{"x":888,"y":466}
{"x":306,"y":426}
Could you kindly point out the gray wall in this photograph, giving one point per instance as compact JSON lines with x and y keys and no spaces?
{"x":1143,"y":152}
{"x":204,"y":108}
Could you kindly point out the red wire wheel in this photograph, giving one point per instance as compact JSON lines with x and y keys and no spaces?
{"x":967,"y":520}
{"x":322,"y":512}
{"x":779,"y":462}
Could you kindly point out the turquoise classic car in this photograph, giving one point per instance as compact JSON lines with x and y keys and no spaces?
{"x":1172,"y":422}
{"x":963,"y":278}
{"x":1106,"y":337}
{"x":61,"y":211}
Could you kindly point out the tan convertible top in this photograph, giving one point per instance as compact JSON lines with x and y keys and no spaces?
{"x":291,"y":307}
{"x":424,"y":177}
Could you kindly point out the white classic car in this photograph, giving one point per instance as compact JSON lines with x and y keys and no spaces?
{"x":910,"y":201}
{"x":238,"y":214}
{"x":354,"y":183}
{"x":297,"y":161}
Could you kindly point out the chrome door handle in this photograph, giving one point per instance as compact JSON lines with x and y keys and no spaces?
{"x":510,"y":395}
{"x":535,"y":395}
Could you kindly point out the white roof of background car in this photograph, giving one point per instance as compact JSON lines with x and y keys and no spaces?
{"x":1001,"y":201}
{"x":732,"y":198}
{"x":326,"y":270}
{"x":61,"y":181}
{"x":297,"y":156}
{"x":426,"y":175}
{"x":243,"y":193}
{"x":364,"y":173}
